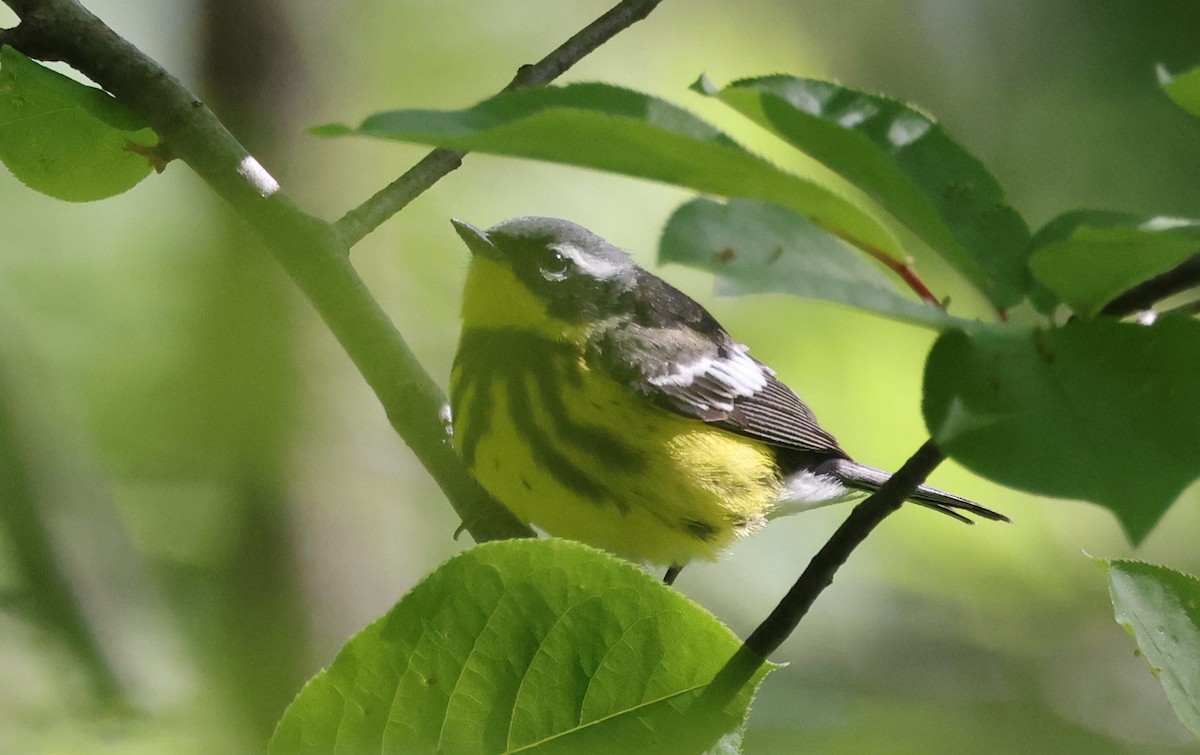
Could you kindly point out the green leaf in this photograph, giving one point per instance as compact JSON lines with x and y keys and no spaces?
{"x":1160,"y":608}
{"x":65,"y":139}
{"x":904,"y":160}
{"x":1098,"y":410}
{"x":622,"y":131}
{"x":754,"y":247}
{"x":1182,"y":88}
{"x":531,"y":645}
{"x":1088,"y":257}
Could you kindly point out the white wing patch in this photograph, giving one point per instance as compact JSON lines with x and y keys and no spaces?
{"x":723,"y":378}
{"x":740,"y":372}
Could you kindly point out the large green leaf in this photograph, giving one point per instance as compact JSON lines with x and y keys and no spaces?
{"x":1160,"y":608}
{"x":907,"y":163}
{"x":65,"y":139}
{"x":1086,"y":258}
{"x":623,"y":131}
{"x":754,"y":247}
{"x":1182,"y":88}
{"x":1098,"y":410}
{"x":530,"y":645}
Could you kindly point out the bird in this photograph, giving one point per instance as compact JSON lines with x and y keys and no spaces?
{"x":601,"y":404}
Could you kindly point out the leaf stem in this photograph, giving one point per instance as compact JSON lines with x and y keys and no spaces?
{"x":904,"y":268}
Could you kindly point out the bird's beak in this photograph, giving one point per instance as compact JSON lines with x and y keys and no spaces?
{"x":477,"y":241}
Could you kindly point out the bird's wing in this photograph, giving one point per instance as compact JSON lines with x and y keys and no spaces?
{"x":705,"y":374}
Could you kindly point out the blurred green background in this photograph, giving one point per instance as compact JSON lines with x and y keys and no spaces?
{"x":228,"y":504}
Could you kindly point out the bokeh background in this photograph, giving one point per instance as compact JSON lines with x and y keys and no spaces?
{"x":227,"y":503}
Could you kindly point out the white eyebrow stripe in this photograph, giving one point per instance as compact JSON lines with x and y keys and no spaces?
{"x":589,"y":264}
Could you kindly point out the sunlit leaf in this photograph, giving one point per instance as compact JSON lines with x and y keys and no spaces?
{"x":1098,"y":410}
{"x":1182,"y":88}
{"x":65,"y":139}
{"x":1088,"y":257}
{"x":537,"y":645}
{"x":1160,"y":608}
{"x":906,"y":162}
{"x":754,"y":247}
{"x":622,"y":131}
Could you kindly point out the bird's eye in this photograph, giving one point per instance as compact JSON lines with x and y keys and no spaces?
{"x":555,"y":267}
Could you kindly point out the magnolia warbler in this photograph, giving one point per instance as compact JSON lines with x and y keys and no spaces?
{"x":601,"y":404}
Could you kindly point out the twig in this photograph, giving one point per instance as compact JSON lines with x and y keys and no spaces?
{"x":779,"y":625}
{"x":369,"y":215}
{"x":358,"y":222}
{"x":819,"y":574}
{"x":1144,"y":295}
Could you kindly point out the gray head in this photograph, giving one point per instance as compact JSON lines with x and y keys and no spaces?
{"x":578,"y":275}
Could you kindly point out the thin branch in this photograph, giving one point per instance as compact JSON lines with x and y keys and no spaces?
{"x":866,"y":516}
{"x":308,"y":248}
{"x":391,"y":199}
{"x":819,"y":574}
{"x":1146,"y":294}
{"x":369,"y":215}
{"x":620,"y":17}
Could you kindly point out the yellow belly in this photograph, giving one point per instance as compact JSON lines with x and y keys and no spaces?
{"x":606,"y":467}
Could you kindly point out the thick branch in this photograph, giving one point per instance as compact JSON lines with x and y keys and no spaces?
{"x":866,"y":516}
{"x":1146,"y":294}
{"x":307,"y":248}
{"x":368,"y":216}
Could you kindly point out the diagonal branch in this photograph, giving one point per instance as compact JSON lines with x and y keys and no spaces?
{"x":862,"y":520}
{"x":311,"y":251}
{"x":818,"y":575}
{"x":1144,"y":295}
{"x":308,"y":248}
{"x":368,"y":216}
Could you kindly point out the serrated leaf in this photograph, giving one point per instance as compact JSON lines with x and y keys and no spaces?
{"x":1087,"y":257}
{"x":622,"y":131}
{"x":1182,"y":88}
{"x":905,"y":161}
{"x":530,"y":645}
{"x":1098,"y":410}
{"x":65,"y":139}
{"x":754,"y":247}
{"x":1160,"y":608}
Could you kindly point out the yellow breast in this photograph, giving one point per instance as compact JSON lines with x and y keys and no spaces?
{"x":572,"y":451}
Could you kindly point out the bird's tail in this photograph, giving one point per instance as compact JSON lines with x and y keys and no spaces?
{"x":869,"y":479}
